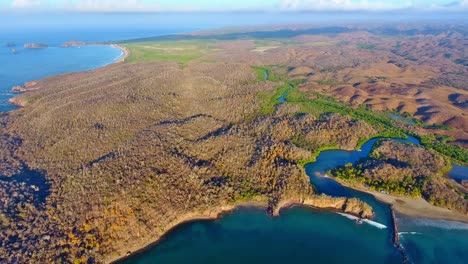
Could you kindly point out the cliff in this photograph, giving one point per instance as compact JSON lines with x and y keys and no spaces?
{"x":351,"y":206}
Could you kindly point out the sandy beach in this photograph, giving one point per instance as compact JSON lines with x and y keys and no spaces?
{"x":413,"y":207}
{"x":125,"y":51}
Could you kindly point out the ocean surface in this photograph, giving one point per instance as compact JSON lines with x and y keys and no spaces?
{"x":306,"y":235}
{"x":247,"y":234}
{"x":33,"y":64}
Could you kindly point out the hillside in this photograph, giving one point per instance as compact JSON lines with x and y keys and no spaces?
{"x":98,"y":164}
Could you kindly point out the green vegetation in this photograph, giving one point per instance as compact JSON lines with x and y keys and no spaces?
{"x":322,"y":43}
{"x":406,"y":169}
{"x":439,"y":144}
{"x":366,"y":46}
{"x":260,"y":73}
{"x":271,"y":74}
{"x":270,"y":42}
{"x":354,"y":174}
{"x":315,"y":153}
{"x":269,"y":101}
{"x":178,"y":51}
{"x":374,"y":79}
{"x":325,"y":104}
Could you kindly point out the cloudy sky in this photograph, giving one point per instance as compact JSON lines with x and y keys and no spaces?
{"x":231,"y":5}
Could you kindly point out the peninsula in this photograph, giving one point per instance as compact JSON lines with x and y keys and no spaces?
{"x":99,"y":164}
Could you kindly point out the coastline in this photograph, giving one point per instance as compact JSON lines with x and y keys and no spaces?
{"x":320,"y":202}
{"x":207,"y":215}
{"x":25,"y":88}
{"x":123,"y":57}
{"x":418,"y":208}
{"x":406,"y":206}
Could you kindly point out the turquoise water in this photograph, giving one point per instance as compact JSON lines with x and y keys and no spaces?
{"x":249,"y":235}
{"x":302,"y":235}
{"x":434,"y":241}
{"x":34,"y":64}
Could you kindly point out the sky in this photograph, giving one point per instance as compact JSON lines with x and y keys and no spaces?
{"x":111,"y":6}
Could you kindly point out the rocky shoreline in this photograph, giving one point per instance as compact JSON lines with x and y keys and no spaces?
{"x":351,"y":206}
{"x":412,"y":207}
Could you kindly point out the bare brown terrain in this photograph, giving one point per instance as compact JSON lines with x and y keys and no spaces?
{"x":98,"y":164}
{"x":423,"y":75}
{"x":128,"y":151}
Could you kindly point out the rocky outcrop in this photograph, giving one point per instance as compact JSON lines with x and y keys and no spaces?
{"x":35,"y":45}
{"x":28,"y":86}
{"x":351,"y":206}
{"x":16,"y":101}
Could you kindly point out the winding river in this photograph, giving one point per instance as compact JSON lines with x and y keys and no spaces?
{"x":303,"y":234}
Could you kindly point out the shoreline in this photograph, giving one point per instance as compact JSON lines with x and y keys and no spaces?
{"x":22,"y":89}
{"x":123,"y":57}
{"x":417,"y":208}
{"x":332,"y":204}
{"x":209,"y":215}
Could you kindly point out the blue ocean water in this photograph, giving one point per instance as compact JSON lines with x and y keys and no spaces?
{"x":247,"y":234}
{"x":33,"y":64}
{"x":303,"y":235}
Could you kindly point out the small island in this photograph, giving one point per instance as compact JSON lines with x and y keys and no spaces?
{"x":192,"y":128}
{"x":35,"y":45}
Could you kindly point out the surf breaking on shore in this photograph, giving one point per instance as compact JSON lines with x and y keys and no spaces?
{"x":358,"y":220}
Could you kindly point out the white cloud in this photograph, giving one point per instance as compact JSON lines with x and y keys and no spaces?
{"x":283,"y":5}
{"x":114,"y":6}
{"x":100,"y":6}
{"x":25,"y":3}
{"x":342,"y":5}
{"x":366,"y":5}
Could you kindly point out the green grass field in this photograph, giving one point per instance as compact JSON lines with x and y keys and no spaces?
{"x":178,"y":51}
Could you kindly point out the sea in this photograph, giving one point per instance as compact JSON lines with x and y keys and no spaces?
{"x":247,"y":234}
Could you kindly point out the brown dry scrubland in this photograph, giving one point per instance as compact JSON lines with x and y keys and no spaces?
{"x":407,"y":170}
{"x":424,"y":75}
{"x":96,"y":164}
{"x":128,"y":151}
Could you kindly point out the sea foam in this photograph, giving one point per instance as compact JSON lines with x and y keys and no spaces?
{"x":441,"y":224}
{"x":370,"y":222}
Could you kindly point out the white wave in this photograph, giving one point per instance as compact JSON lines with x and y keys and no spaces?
{"x":411,"y":233}
{"x":118,"y":57}
{"x":352,"y":217}
{"x":370,"y":222}
{"x":441,"y":224}
{"x":376,"y":224}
